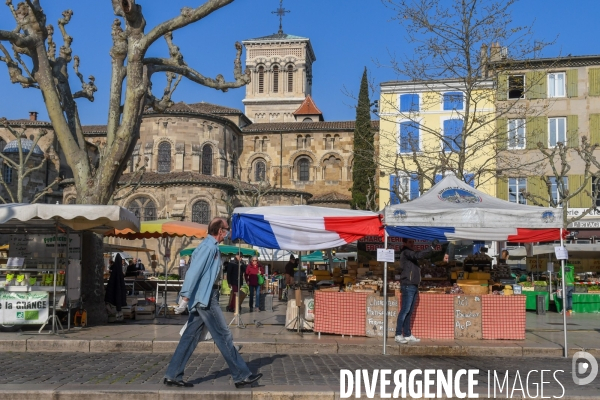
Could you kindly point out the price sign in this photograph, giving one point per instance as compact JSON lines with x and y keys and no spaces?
{"x":467,"y":317}
{"x":561,"y":253}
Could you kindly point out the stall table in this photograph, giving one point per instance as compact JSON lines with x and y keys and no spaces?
{"x":582,"y":303}
{"x":343,"y":313}
{"x":531,"y":299}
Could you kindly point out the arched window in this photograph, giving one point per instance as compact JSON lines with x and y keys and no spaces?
{"x":336,"y":141}
{"x":234,"y":163}
{"x":327,"y":142}
{"x":299,"y":142}
{"x":303,"y":170}
{"x":207,"y":160}
{"x":307,"y":142}
{"x":201,"y":212}
{"x":143,"y":207}
{"x":257,"y":144}
{"x":307,"y":119}
{"x":261,"y":79}
{"x":260,"y":171}
{"x":290,"y":78}
{"x":164,"y":157}
{"x":275,"y":79}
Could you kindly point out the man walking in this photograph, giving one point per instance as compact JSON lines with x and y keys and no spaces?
{"x":409,"y":288}
{"x":201,"y":293}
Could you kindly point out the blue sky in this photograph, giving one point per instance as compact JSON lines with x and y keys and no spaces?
{"x":347,"y":35}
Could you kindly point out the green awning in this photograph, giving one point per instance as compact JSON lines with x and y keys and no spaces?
{"x":225,"y":250}
{"x":318,"y":256}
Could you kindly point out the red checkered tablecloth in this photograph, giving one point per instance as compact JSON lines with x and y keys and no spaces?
{"x":503,"y":317}
{"x":340,"y":313}
{"x":433,"y":317}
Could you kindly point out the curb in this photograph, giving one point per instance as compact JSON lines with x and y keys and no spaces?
{"x":161,"y":346}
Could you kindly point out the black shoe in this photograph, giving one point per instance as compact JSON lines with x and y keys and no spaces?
{"x":248,"y":381}
{"x":171,"y":382}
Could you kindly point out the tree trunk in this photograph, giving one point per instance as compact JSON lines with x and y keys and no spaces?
{"x":92,"y":278}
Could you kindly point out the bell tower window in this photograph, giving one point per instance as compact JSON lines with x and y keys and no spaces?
{"x":261,"y":79}
{"x":290,"y":79}
{"x":275,"y":79}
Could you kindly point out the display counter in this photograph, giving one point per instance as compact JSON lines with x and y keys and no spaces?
{"x":582,"y":303}
{"x":531,"y":299}
{"x":437,"y":316}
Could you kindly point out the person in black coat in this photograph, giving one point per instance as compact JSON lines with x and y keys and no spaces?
{"x":116,"y":293}
{"x":233,"y":276}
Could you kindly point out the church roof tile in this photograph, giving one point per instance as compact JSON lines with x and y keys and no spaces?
{"x":304,"y":126}
{"x":332,"y":197}
{"x":308,"y":107}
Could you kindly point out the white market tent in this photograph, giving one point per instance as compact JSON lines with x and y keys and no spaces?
{"x":453,"y":210}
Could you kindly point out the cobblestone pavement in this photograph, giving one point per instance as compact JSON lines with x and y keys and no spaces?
{"x":278,"y":369}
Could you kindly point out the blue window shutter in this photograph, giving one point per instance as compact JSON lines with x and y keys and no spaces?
{"x":438,"y":177}
{"x":414,"y":186}
{"x":409,"y":102}
{"x":393,"y":198}
{"x":470,"y":179}
{"x":453,"y":134}
{"x":453,"y":101}
{"x":409,"y":137}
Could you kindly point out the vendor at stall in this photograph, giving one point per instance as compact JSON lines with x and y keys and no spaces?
{"x":570,"y":283}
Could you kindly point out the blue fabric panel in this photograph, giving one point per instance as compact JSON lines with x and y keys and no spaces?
{"x":409,"y":102}
{"x":419,"y":232}
{"x":253,"y":229}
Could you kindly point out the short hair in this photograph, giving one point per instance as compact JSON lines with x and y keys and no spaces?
{"x":292,"y":257}
{"x":215,"y":226}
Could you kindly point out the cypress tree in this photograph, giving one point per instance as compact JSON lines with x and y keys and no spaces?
{"x":363,"y":176}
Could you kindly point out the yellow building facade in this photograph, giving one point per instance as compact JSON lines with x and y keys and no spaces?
{"x":430,"y":129}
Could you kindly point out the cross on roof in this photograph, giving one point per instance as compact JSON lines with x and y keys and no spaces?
{"x":281,"y":12}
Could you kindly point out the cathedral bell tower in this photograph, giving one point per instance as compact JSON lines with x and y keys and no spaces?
{"x":281,"y":67}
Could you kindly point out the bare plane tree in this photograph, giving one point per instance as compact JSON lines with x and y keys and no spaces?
{"x":454,"y":43}
{"x":130,"y":87}
{"x":23,"y":167}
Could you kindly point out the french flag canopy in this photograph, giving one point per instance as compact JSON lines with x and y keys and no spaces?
{"x":302,"y":227}
{"x":453,"y":210}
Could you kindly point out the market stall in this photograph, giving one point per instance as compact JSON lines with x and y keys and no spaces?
{"x":43,"y":269}
{"x":582,"y":303}
{"x":164,"y":230}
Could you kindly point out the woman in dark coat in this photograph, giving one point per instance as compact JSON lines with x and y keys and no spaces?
{"x":116,"y":293}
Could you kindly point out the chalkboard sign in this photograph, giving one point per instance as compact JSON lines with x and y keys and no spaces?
{"x":374,"y":316}
{"x":467,"y":317}
{"x":44,"y":246}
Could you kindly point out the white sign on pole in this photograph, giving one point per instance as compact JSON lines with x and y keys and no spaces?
{"x":550,"y":266}
{"x":561,"y":253}
{"x":385,"y":255}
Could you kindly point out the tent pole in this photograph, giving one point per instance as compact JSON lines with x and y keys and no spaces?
{"x":564,"y":296}
{"x":385,"y":299}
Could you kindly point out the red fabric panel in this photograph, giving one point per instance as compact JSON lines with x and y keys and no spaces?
{"x":536,"y":235}
{"x":503,"y":317}
{"x":353,"y":228}
{"x":341,"y":313}
{"x":433,"y":317}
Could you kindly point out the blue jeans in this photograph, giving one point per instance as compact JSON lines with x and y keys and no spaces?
{"x":212,"y":316}
{"x":569,"y":298}
{"x":410,"y":294}
{"x":254,"y":290}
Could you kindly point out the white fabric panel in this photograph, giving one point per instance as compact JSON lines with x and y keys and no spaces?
{"x":305,"y":234}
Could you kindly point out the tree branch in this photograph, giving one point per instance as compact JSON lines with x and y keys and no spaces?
{"x":14,"y":71}
{"x":88,"y":89}
{"x":47,"y":190}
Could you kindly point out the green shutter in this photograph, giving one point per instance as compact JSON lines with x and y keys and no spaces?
{"x":502,"y":188}
{"x":502,"y":133}
{"x":572,"y":81}
{"x":538,"y":189}
{"x":536,"y":131}
{"x":502,"y":87}
{"x":535,"y":85}
{"x":572,"y":131}
{"x":579,"y":201}
{"x":594,"y":79}
{"x":594,"y":129}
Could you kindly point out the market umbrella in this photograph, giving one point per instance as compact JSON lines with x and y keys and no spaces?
{"x":224,"y":249}
{"x":162,"y":228}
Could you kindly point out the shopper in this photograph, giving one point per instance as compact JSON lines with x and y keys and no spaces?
{"x":251,"y":275}
{"x":116,"y":293}
{"x":139,"y":266}
{"x":234,"y":275}
{"x":289,"y":271}
{"x":410,"y":277}
{"x":131,"y":269}
{"x":201,"y":293}
{"x":568,"y":292}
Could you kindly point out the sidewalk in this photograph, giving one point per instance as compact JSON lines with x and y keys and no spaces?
{"x":544,"y":338}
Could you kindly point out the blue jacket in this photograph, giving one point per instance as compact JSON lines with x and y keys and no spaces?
{"x":202,"y":274}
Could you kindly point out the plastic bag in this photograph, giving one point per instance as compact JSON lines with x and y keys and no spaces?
{"x":204,"y":336}
{"x":261,"y":280}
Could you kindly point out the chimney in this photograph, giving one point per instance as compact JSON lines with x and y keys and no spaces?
{"x":33,"y":115}
{"x":483,"y":54}
{"x":495,"y":52}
